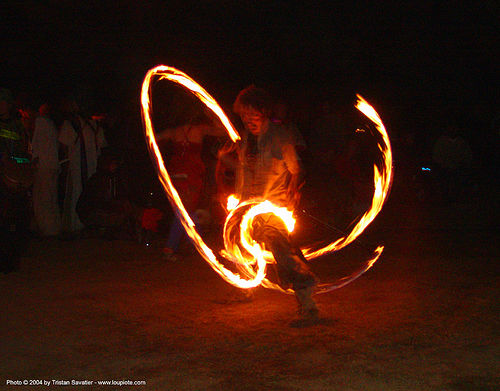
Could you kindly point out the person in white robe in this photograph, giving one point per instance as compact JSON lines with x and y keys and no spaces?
{"x":84,"y":139}
{"x":45,"y":191}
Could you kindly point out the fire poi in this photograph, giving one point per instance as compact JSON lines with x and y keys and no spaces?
{"x":242,"y":250}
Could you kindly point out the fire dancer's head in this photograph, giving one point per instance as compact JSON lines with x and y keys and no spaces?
{"x":254,"y":106}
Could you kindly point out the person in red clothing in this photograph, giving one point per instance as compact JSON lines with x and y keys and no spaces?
{"x":186,"y":168}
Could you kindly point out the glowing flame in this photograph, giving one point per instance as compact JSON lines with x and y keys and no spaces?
{"x":262,"y":208}
{"x":323,"y":288}
{"x":249,"y":258}
{"x":245,"y":263}
{"x":232,"y":202}
{"x":179,"y":77}
{"x":382,"y":180}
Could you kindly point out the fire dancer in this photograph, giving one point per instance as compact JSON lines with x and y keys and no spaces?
{"x":268,"y":168}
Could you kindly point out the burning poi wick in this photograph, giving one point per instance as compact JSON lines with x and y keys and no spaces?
{"x":251,"y":263}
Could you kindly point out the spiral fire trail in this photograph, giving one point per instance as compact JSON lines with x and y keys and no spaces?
{"x":247,"y":255}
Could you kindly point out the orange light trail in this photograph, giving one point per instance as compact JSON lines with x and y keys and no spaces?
{"x":382,"y":181}
{"x":250,"y":259}
{"x":174,"y":75}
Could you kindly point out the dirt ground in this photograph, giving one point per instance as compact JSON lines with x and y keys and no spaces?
{"x":425,"y":317}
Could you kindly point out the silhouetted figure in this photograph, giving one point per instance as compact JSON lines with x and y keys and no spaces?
{"x":105,"y":200}
{"x":452,"y":156}
{"x":16,"y":177}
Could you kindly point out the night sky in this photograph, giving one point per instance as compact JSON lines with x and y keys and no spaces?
{"x":409,"y":56}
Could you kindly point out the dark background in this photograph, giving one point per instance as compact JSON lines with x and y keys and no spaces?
{"x":439,"y":51}
{"x":421,"y":63}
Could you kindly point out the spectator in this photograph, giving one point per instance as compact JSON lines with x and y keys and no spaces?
{"x":186,"y":168}
{"x":46,"y":163}
{"x":105,"y":200}
{"x":453,"y":157}
{"x":83,"y":140}
{"x":15,"y":179}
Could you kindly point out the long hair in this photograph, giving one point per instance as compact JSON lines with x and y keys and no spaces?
{"x":256,"y":98}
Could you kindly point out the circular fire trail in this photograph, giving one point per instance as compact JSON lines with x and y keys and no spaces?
{"x":246,"y":254}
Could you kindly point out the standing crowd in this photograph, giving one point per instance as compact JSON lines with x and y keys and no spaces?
{"x":45,"y":170}
{"x":267,"y":166}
